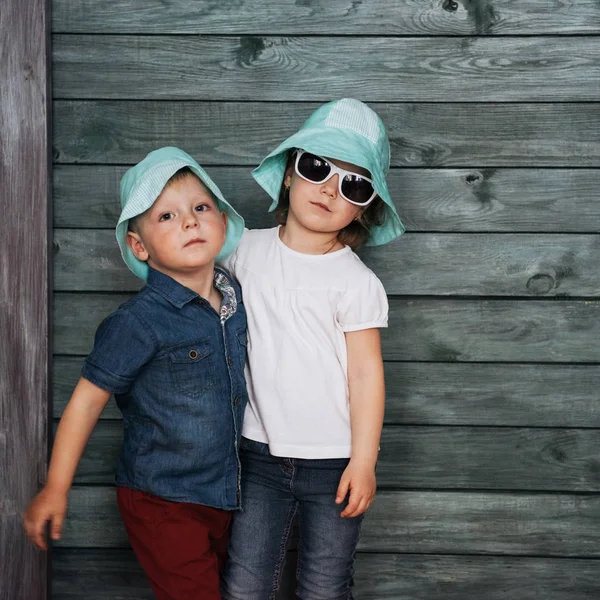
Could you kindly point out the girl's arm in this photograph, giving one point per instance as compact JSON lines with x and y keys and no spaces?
{"x":367,"y":398}
{"x":75,"y":427}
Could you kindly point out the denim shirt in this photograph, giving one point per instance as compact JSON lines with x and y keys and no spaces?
{"x":176,"y":368}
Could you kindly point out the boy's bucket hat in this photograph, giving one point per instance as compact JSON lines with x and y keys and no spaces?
{"x":142,"y":184}
{"x":346,"y":130}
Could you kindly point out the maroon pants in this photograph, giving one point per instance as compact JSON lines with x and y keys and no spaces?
{"x":181,"y":546}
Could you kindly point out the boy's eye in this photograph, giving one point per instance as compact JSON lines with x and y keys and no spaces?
{"x":202,"y":207}
{"x":166,"y":217}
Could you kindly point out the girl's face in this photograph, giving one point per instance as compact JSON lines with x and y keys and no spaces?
{"x":318,"y":206}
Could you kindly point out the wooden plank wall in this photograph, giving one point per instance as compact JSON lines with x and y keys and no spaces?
{"x":490,"y":464}
{"x":25,"y":236}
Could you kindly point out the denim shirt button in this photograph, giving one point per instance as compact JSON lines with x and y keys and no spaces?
{"x":193,"y":354}
{"x":229,"y":360}
{"x":235,"y":401}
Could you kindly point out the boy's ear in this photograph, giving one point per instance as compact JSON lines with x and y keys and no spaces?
{"x":135,"y":243}
{"x":224,"y":216}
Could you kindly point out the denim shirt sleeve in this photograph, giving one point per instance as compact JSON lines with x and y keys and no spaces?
{"x":122,"y":346}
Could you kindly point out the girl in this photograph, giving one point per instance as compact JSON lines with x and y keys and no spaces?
{"x":315,"y":372}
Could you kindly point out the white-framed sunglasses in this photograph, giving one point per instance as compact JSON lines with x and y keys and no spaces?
{"x":353,"y":187}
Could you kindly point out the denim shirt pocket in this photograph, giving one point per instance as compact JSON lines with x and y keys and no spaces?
{"x":192,"y":367}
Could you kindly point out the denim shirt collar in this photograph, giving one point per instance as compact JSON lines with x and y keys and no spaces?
{"x":178,"y":295}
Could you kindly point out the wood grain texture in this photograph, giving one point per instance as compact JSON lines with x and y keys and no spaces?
{"x":450,"y":393}
{"x":493,"y":394}
{"x":415,"y":264}
{"x":24,"y":284}
{"x":494,"y":330}
{"x":420,"y":329}
{"x":384,"y":17}
{"x":81,"y":574}
{"x":423,"y":457}
{"x":412,"y":521}
{"x":489,"y":468}
{"x":390,"y":69}
{"x":232,"y":133}
{"x":443,"y":200}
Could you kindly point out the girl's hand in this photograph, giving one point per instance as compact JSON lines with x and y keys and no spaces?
{"x":360,"y":480}
{"x":48,"y":505}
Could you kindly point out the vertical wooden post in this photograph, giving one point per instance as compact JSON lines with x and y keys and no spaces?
{"x":24,"y":286}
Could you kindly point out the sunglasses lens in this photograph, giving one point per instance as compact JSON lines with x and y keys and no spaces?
{"x":312,"y":167}
{"x":357,"y":189}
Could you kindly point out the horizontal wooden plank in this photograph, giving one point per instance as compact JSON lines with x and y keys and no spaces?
{"x":384,"y":17}
{"x":416,"y":264}
{"x":444,"y":200}
{"x":316,"y":68}
{"x":492,"y":394}
{"x":495,"y":330}
{"x":450,"y":393}
{"x":232,"y":133}
{"x":415,"y":522}
{"x":98,"y":575}
{"x":499,"y":458}
{"x":116,"y":575}
{"x":431,"y":329}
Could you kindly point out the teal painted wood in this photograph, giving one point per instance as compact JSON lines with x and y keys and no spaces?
{"x":430,"y":329}
{"x":492,"y":415}
{"x":390,"y":69}
{"x":444,"y":200}
{"x":451,"y":330}
{"x":423,"y":457}
{"x":450,"y":393}
{"x":106,"y":574}
{"x":231,"y":133}
{"x":98,"y":575}
{"x":384,"y":17}
{"x":416,"y":264}
{"x":431,"y":522}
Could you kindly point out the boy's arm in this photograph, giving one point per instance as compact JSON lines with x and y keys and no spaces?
{"x":367,"y":398}
{"x":75,"y":427}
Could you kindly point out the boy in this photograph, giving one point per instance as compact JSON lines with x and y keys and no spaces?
{"x":173,"y":356}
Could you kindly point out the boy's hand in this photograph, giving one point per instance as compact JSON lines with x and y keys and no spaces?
{"x":360,"y":480}
{"x":47,"y":506}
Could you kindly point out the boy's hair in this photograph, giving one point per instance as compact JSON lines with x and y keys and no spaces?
{"x":356,"y":233}
{"x":183,"y":173}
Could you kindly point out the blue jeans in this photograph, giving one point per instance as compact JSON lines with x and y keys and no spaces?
{"x":274,"y":491}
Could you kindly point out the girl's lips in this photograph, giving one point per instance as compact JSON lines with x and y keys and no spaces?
{"x":320,"y":206}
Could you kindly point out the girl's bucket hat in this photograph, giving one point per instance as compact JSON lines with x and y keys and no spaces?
{"x":142,"y":184}
{"x":346,"y":130}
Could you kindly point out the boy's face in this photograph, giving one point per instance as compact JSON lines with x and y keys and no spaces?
{"x":182,"y":232}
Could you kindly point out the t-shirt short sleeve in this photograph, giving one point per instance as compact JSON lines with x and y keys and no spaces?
{"x":365,"y":307}
{"x":122,"y":346}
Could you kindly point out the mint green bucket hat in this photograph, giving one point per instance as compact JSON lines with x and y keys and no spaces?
{"x":141,"y":186}
{"x":346,"y":130}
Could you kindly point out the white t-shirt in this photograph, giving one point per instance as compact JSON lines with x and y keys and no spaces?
{"x":299,"y":306}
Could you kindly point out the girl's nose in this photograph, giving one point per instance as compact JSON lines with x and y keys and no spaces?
{"x":330,"y":186}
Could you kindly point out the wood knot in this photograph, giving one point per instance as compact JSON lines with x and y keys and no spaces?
{"x":558,"y":454}
{"x":472,"y":178}
{"x":251,"y":47}
{"x":540,"y":284}
{"x":450,"y":5}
